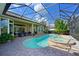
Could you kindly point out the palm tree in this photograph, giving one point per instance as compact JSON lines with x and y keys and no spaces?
{"x":61,"y":26}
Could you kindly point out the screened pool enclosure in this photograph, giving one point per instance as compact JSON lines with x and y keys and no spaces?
{"x":45,"y":13}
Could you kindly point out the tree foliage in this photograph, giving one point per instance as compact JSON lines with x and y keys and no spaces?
{"x":61,"y":26}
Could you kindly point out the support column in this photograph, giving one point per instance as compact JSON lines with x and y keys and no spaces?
{"x":13,"y":28}
{"x":43,"y":28}
{"x":32,"y":28}
{"x":28,"y":28}
{"x":0,"y":25}
{"x":8,"y":27}
{"x":37,"y":29}
{"x":0,"y":31}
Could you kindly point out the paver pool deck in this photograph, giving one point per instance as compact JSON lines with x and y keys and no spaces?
{"x":16,"y":48}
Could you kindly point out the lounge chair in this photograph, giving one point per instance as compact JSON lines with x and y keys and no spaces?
{"x":64,"y":46}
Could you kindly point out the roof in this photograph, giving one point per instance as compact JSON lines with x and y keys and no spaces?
{"x":47,"y":12}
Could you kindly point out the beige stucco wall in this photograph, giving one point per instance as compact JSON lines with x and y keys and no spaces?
{"x":2,"y":6}
{"x":27,"y":25}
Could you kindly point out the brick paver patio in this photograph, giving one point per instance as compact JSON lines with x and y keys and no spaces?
{"x":16,"y":48}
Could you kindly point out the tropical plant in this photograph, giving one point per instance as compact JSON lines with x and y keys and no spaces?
{"x":61,"y":26}
{"x":6,"y":37}
{"x":4,"y":29}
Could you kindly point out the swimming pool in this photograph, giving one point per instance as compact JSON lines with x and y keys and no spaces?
{"x":41,"y":41}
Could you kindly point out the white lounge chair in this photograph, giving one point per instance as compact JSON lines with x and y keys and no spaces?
{"x":64,"y":46}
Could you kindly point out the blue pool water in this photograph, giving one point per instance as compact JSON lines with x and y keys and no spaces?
{"x":42,"y":41}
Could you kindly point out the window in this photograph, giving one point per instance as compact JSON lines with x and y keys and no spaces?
{"x":4,"y":25}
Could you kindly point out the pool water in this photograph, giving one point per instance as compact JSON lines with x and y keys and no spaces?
{"x":42,"y":41}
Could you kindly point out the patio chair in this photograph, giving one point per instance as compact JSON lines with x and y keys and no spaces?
{"x":64,"y":46}
{"x":23,"y":33}
{"x":34,"y":33}
{"x":16,"y":34}
{"x":20,"y":34}
{"x":29,"y":33}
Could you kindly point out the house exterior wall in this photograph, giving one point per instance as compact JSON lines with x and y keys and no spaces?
{"x":28,"y":27}
{"x":2,"y":6}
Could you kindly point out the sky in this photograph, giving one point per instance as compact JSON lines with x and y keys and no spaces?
{"x":48,"y":12}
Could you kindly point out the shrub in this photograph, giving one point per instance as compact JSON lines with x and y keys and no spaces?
{"x":6,"y":37}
